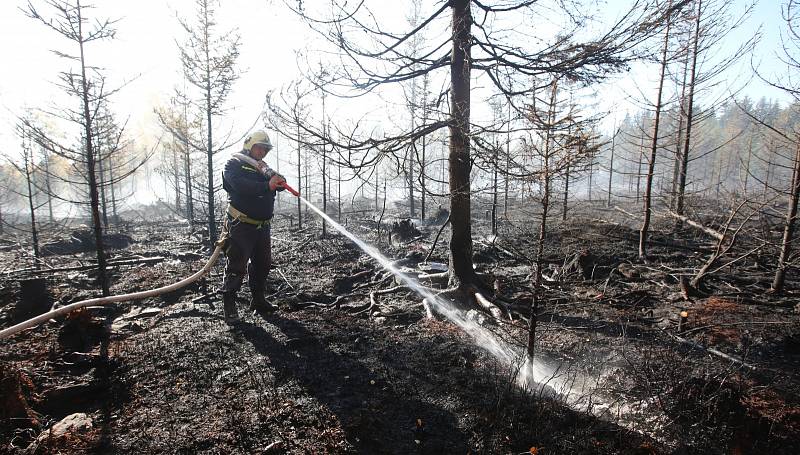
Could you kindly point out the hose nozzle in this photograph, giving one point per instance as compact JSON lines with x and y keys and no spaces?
{"x":288,"y":188}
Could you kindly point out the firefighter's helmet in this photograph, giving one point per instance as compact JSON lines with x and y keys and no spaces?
{"x":260,"y":138}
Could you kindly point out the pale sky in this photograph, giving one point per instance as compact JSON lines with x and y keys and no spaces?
{"x":144,"y":52}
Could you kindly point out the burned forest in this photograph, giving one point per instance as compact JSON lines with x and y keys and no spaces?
{"x":467,"y":227}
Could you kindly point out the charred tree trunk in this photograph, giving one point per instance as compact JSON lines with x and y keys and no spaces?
{"x":102,"y":183}
{"x":566,"y":193}
{"x":187,"y":171}
{"x":299,"y":182}
{"x":508,"y":164}
{"x":308,"y":184}
{"x":494,"y":192}
{"x":681,"y":190}
{"x":324,"y":172}
{"x":461,"y":268}
{"x":611,"y":166}
{"x":412,"y":152}
{"x":676,"y":170}
{"x":114,"y":217}
{"x":176,"y":175}
{"x":747,"y":165}
{"x":768,"y":172}
{"x":651,"y":163}
{"x":791,"y":217}
{"x":639,"y":168}
{"x":47,"y":187}
{"x":90,"y":165}
{"x":423,"y":189}
{"x":422,"y":172}
{"x":537,"y":275}
{"x":212,"y":225}
{"x":28,"y":177}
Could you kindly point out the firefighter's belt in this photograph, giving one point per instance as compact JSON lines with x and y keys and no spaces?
{"x":238,"y":215}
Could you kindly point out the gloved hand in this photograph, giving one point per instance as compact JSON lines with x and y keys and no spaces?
{"x":275,"y":182}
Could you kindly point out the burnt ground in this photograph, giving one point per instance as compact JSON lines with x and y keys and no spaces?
{"x":331,"y":373}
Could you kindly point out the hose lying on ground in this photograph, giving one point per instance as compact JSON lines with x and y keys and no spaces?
{"x":141,"y":294}
{"x":5,"y":333}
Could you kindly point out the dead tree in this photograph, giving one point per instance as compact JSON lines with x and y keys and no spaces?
{"x":324,"y":158}
{"x":208,"y":60}
{"x":546,"y":154}
{"x":561,"y":145}
{"x":791,"y":220}
{"x":711,"y":23}
{"x":651,"y":163}
{"x":788,"y":83}
{"x":611,"y":164}
{"x":69,"y":19}
{"x":180,"y":144}
{"x":26,"y":169}
{"x":375,"y":58}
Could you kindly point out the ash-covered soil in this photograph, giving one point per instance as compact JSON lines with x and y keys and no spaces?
{"x":334,"y":372}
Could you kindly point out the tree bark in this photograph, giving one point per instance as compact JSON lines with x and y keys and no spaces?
{"x":508,"y":164}
{"x":679,"y":206}
{"x":423,"y":189}
{"x":639,"y":169}
{"x":114,"y":217}
{"x":47,"y":185}
{"x":537,"y":274}
{"x":324,"y":171}
{"x":648,"y":187}
{"x":747,"y":165}
{"x":791,"y":217}
{"x":611,"y":166}
{"x":299,"y":182}
{"x":102,"y":184}
{"x":678,"y":139}
{"x":566,"y":194}
{"x":212,"y":225}
{"x":494,"y":191}
{"x":461,"y":268}
{"x":90,"y":164}
{"x":28,"y":155}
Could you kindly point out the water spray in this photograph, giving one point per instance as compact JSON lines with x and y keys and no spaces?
{"x":531,"y":373}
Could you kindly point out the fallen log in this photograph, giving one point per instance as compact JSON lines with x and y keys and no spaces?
{"x":713,"y":351}
{"x":620,"y":209}
{"x":77,"y":268}
{"x":713,"y":233}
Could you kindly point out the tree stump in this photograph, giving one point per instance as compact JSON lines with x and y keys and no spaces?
{"x":34,"y":299}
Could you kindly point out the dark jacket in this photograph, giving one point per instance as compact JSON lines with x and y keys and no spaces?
{"x":248,"y":189}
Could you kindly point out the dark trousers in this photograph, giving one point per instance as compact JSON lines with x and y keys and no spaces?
{"x":247,"y":242}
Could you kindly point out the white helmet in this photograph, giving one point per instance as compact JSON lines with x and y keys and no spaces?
{"x":259,"y":137}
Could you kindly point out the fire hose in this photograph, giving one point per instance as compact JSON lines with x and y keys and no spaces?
{"x":219,"y":246}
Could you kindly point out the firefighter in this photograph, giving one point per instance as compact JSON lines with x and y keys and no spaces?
{"x":251,"y":186}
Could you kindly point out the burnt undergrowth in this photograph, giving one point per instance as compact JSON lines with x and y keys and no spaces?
{"x":350,"y":363}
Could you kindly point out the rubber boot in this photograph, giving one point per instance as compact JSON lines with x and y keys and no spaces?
{"x":229,"y":307}
{"x":259,"y":303}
